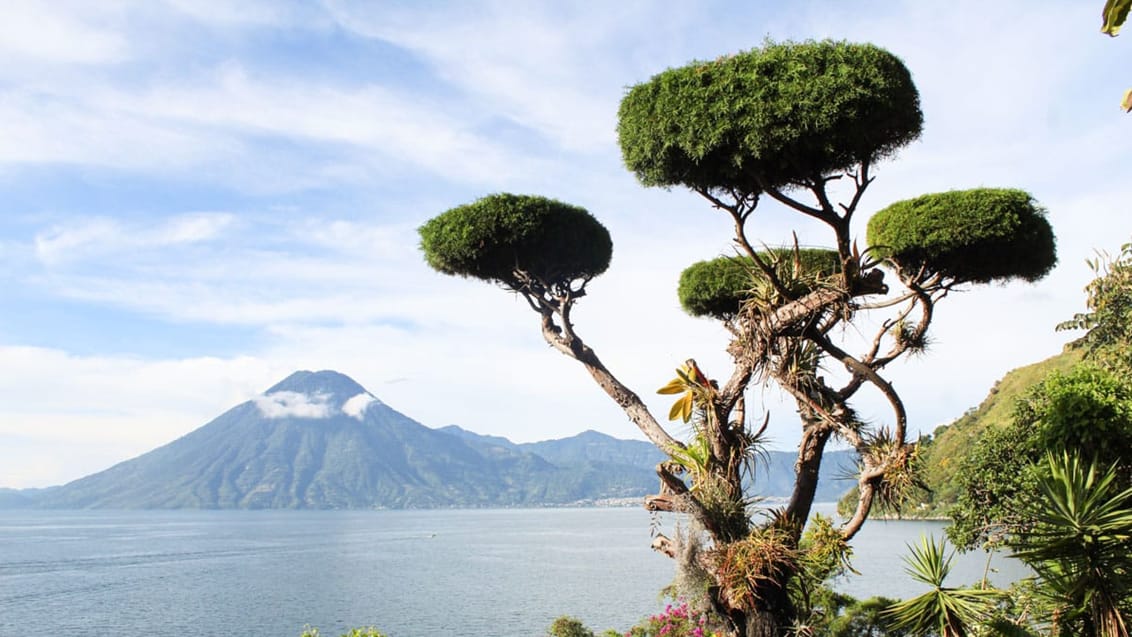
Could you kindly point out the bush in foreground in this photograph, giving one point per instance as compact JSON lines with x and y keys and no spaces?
{"x":357,"y":632}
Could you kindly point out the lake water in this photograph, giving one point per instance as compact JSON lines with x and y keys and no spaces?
{"x":503,"y":573}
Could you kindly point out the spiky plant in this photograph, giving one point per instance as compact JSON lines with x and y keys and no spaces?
{"x":1081,"y":546}
{"x":944,"y":611}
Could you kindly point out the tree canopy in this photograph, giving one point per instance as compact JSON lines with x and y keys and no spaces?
{"x":506,"y":238}
{"x":972,"y":236}
{"x":770,"y":117}
{"x":719,"y":287}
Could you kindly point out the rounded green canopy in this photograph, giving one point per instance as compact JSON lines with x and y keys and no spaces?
{"x":500,"y":235}
{"x":719,"y":287}
{"x":976,"y":236}
{"x":769,"y":117}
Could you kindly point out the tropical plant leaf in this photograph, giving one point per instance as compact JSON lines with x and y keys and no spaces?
{"x":1113,"y":15}
{"x":1080,"y":545}
{"x":948,"y":612}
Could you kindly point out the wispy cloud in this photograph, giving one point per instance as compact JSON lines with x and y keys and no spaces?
{"x":543,"y":66}
{"x":80,"y":239}
{"x":56,"y":33}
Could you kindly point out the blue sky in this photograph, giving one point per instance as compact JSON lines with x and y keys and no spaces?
{"x":199,"y":197}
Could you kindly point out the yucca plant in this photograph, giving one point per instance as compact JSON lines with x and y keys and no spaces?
{"x":943,"y":611}
{"x":1081,"y":547}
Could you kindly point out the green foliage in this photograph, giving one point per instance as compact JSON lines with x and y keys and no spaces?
{"x":498,"y":236}
{"x":719,"y":287}
{"x":973,"y":236}
{"x":677,"y":620}
{"x":1108,"y":321}
{"x":1087,"y":410}
{"x":770,"y":117}
{"x":995,"y":480}
{"x":865,"y":618}
{"x":823,"y":555}
{"x":1081,"y":546}
{"x":949,"y":612}
{"x":568,"y":627}
{"x":356,"y":632}
{"x":950,"y":444}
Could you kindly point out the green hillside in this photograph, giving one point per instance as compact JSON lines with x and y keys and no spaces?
{"x":950,"y":443}
{"x":944,"y":450}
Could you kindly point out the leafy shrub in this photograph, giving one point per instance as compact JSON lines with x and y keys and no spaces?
{"x":674,"y":621}
{"x":1087,"y":410}
{"x":568,"y":627}
{"x":865,"y":618}
{"x":976,"y":236}
{"x":356,"y":632}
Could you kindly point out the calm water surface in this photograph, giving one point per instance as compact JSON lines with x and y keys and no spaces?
{"x":505,"y":573}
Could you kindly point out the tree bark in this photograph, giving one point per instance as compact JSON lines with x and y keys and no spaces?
{"x":806,"y":468}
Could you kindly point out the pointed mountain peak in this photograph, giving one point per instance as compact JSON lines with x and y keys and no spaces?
{"x":324,"y":382}
{"x":323,"y":394}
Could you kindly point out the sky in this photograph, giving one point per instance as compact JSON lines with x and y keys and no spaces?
{"x":199,"y":197}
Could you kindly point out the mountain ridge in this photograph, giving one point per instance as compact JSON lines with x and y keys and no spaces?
{"x":319,"y":440}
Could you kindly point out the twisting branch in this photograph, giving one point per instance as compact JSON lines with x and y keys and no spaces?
{"x":861,"y":180}
{"x":782,"y":198}
{"x":857,"y":367}
{"x":739,"y":211}
{"x":560,"y":335}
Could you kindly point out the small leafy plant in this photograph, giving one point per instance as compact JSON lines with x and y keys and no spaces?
{"x":675,"y":621}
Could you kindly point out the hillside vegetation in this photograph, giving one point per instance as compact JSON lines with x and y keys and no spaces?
{"x":943,"y":451}
{"x":949,"y":444}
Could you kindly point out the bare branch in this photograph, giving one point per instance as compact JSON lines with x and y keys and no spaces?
{"x":561,"y":336}
{"x":858,"y":368}
{"x":862,"y":181}
{"x":782,"y":198}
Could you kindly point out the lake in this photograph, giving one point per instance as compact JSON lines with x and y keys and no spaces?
{"x":504,"y":573}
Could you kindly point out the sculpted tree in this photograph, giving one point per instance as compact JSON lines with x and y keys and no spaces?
{"x":782,"y":122}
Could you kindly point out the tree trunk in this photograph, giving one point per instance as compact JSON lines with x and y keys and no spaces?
{"x":762,"y":623}
{"x":772,"y":617}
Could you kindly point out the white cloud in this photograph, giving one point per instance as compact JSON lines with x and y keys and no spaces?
{"x":541,"y":65}
{"x":289,"y":404}
{"x":246,"y":13}
{"x":83,"y":238}
{"x":63,"y":416}
{"x":356,"y":406}
{"x":56,"y":33}
{"x":361,"y":133}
